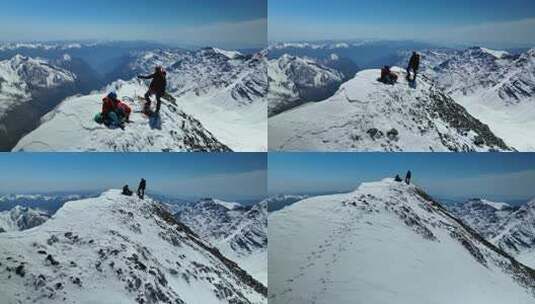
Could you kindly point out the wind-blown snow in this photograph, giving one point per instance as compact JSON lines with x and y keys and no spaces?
{"x":384,"y":243}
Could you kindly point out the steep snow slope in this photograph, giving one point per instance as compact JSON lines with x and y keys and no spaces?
{"x":386,"y":243}
{"x":495,"y":87}
{"x":21,"y":218}
{"x":117,"y":249}
{"x":483,"y":215}
{"x":367,"y":115}
{"x":239,"y":232}
{"x":294,"y":81}
{"x":70,"y":127}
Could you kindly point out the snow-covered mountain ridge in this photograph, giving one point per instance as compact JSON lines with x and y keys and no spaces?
{"x":70,"y":127}
{"x":370,"y":241}
{"x":510,"y":228}
{"x":21,"y":218}
{"x":22,"y":77}
{"x":483,"y":215}
{"x":367,"y":115}
{"x":118,"y":249}
{"x":494,"y":86}
{"x":220,"y":106}
{"x":294,"y":80}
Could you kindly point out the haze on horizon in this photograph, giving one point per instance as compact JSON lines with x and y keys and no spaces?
{"x":491,"y":23}
{"x":239,"y":176}
{"x":226,"y":24}
{"x":449,"y":176}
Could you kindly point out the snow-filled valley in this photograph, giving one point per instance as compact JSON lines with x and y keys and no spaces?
{"x":119,"y":249}
{"x":386,"y":242}
{"x":220,"y":102}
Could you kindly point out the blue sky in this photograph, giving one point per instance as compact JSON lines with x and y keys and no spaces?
{"x":172,"y":21}
{"x":225,"y":176}
{"x":488,"y":175}
{"x":457,"y":21}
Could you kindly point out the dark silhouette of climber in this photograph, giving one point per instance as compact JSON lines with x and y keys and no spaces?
{"x":127,"y":191}
{"x":408,"y":177}
{"x":141,"y":188}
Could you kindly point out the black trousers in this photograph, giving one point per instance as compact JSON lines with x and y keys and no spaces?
{"x":141,"y":193}
{"x":158,"y":99}
{"x":409,"y":69}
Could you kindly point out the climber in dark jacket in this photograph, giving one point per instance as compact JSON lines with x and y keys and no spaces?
{"x":126,"y":191}
{"x":398,"y":178}
{"x":157,"y":87}
{"x":408,"y":177}
{"x":387,"y":76}
{"x":414,"y":65}
{"x":141,"y":188}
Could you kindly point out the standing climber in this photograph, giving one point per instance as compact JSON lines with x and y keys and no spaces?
{"x":157,"y":87}
{"x":414,"y":66}
{"x":141,"y":188}
{"x":408,"y":177}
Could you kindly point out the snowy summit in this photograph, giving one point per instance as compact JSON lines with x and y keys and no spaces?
{"x":387,"y":242}
{"x":118,"y":249}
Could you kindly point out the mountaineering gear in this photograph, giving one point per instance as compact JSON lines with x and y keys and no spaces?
{"x":408,"y":177}
{"x":114,"y":119}
{"x":398,"y":178}
{"x":387,"y":76}
{"x":414,"y":66}
{"x":98,"y":118}
{"x":127,"y":191}
{"x":141,"y":188}
{"x":157,"y":86}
